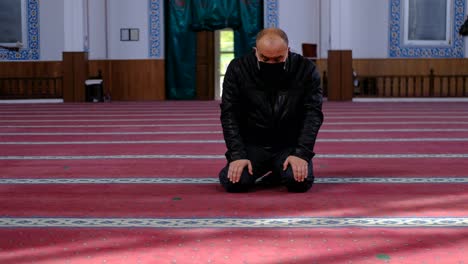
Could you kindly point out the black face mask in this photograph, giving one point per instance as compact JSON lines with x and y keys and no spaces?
{"x":272,"y":71}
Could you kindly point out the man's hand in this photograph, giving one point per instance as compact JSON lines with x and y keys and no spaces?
{"x":236,"y":167}
{"x":299,"y":167}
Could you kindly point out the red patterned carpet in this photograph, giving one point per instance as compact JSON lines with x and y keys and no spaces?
{"x":137,"y":183}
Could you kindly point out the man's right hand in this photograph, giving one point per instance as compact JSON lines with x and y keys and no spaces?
{"x":236,"y":167}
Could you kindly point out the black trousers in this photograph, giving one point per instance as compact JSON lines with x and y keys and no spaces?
{"x":264,"y":161}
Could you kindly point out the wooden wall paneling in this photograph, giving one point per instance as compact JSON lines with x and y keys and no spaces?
{"x":205,"y":72}
{"x":80,"y":68}
{"x":410,"y":66}
{"x":144,"y":79}
{"x":119,"y":90}
{"x":156,"y":89}
{"x":334,"y":79}
{"x":410,"y":87}
{"x":321,"y":65}
{"x":68,"y":89}
{"x":460,"y":87}
{"x":75,"y":73}
{"x":22,"y":84}
{"x":425,"y":87}
{"x":418,"y":86}
{"x":131,"y":80}
{"x":158,"y":80}
{"x":347,"y":89}
{"x":340,"y":78}
{"x":31,"y":69}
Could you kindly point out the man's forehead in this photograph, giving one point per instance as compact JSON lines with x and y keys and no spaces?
{"x":272,"y":52}
{"x":271,"y":43}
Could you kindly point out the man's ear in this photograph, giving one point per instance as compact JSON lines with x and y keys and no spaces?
{"x":258,"y":60}
{"x":256,"y":53}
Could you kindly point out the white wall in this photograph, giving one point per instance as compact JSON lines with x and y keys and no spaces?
{"x":369,"y":31}
{"x":63,"y":28}
{"x":337,"y":24}
{"x":52,"y":35}
{"x":97,"y":29}
{"x":325,"y":38}
{"x":300,"y":19}
{"x":349,"y":25}
{"x":128,"y":14}
{"x":74,"y":25}
{"x":355,"y":27}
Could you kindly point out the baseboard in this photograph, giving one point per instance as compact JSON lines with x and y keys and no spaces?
{"x":31,"y":101}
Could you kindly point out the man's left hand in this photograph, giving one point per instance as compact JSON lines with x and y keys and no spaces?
{"x":299,"y":167}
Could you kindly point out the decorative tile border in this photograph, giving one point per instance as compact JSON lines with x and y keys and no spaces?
{"x":214,"y":180}
{"x":397,"y":49}
{"x":31,"y":52}
{"x":155,"y":29}
{"x":271,"y":17}
{"x":283,"y":222}
{"x":390,"y":180}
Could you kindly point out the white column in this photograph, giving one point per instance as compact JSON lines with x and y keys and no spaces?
{"x":74,"y":25}
{"x":325,"y":38}
{"x":97,"y":15}
{"x":341,"y":21}
{"x":51,"y":29}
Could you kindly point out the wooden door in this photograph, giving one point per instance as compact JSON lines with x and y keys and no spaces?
{"x":205,"y":65}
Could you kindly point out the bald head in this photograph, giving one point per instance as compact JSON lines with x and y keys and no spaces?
{"x":272,"y":35}
{"x":272,"y":45}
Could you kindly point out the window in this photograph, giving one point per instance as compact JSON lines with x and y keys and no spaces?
{"x":427,"y":22}
{"x":13,"y":26}
{"x":224,"y":54}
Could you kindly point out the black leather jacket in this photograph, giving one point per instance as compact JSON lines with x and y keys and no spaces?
{"x":282,"y":115}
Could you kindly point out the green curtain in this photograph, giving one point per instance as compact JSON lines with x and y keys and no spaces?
{"x":185,"y":17}
{"x":210,"y":15}
{"x":251,"y":15}
{"x":180,"y":51}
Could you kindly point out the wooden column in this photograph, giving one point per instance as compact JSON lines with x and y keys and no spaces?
{"x":75,"y":72}
{"x":340,"y":75}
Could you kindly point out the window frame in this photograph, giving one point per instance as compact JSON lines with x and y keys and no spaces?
{"x":24,"y":28}
{"x":448,"y":27}
{"x":218,"y":53}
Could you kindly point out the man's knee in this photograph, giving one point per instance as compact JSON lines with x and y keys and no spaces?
{"x":244,"y":184}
